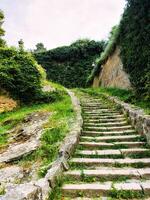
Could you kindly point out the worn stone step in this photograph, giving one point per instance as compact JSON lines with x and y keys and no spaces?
{"x":97,"y":189}
{"x":92,"y":104}
{"x":104,"y":120}
{"x":85,"y":198}
{"x":105,"y":124}
{"x":109,"y":161}
{"x":109,"y":138}
{"x":94,"y":108}
{"x":111,"y":152}
{"x":109,"y":128}
{"x":106,"y":144}
{"x":94,"y":133}
{"x":103,"y":116}
{"x":109,"y":173}
{"x":97,"y":111}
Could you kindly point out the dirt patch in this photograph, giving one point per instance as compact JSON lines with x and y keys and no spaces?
{"x":7,"y":104}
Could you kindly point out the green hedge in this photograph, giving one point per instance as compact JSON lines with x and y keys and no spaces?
{"x":70,"y":65}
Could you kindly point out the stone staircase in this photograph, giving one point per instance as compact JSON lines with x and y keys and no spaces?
{"x":111,"y":160}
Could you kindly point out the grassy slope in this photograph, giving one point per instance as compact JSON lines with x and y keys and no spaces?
{"x":56,"y":129}
{"x":124,"y":95}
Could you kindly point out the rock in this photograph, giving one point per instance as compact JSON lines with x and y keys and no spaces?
{"x":11,"y":174}
{"x":26,"y":191}
{"x":44,"y":185}
{"x":16,"y":151}
{"x":27,"y":137}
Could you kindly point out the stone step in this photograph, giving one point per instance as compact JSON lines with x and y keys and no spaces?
{"x":109,"y":173}
{"x":109,"y":138}
{"x":89,"y":108}
{"x":109,"y":128}
{"x":109,"y":161}
{"x":97,"y":111}
{"x":106,"y":144}
{"x":91,"y":104}
{"x":110,"y":152}
{"x":105,"y":124}
{"x":94,"y":133}
{"x":97,"y":189}
{"x":104,"y":120}
{"x":103,"y":116}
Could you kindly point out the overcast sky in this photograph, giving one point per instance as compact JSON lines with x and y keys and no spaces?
{"x":59,"y":22}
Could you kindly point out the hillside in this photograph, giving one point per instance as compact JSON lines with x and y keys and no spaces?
{"x":70,"y":65}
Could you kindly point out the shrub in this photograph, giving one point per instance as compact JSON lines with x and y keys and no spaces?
{"x":18,"y":74}
{"x":70,"y":65}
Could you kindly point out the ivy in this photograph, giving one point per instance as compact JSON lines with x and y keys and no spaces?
{"x":70,"y":65}
{"x":135,"y":46}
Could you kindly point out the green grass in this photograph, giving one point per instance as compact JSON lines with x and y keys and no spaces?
{"x":55,"y":130}
{"x":121,"y":194}
{"x":56,"y":192}
{"x":124,"y":95}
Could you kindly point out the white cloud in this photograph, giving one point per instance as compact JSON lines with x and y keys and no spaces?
{"x":59,"y":22}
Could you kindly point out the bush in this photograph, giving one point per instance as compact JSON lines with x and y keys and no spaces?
{"x":70,"y":65}
{"x":19,"y":75}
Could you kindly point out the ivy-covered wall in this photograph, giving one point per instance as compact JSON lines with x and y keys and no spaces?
{"x":70,"y":65}
{"x":134,"y":40}
{"x":132,"y":36}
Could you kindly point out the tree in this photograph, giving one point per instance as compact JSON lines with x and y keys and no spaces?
{"x":2,"y":32}
{"x":21,"y":45}
{"x":39,"y":48}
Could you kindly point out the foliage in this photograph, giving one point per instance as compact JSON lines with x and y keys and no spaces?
{"x":110,"y":47}
{"x":2,"y":32}
{"x":20,"y":77}
{"x":18,"y":74}
{"x":135,"y":46}
{"x":39,"y":48}
{"x":70,"y":65}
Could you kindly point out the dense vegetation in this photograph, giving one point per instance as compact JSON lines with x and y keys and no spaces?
{"x":20,"y":77}
{"x":135,"y":46}
{"x":18,"y":74}
{"x":132,"y":36}
{"x":70,"y":65}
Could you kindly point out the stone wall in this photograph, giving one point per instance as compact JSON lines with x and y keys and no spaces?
{"x":112,"y":73}
{"x":139,"y":120}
